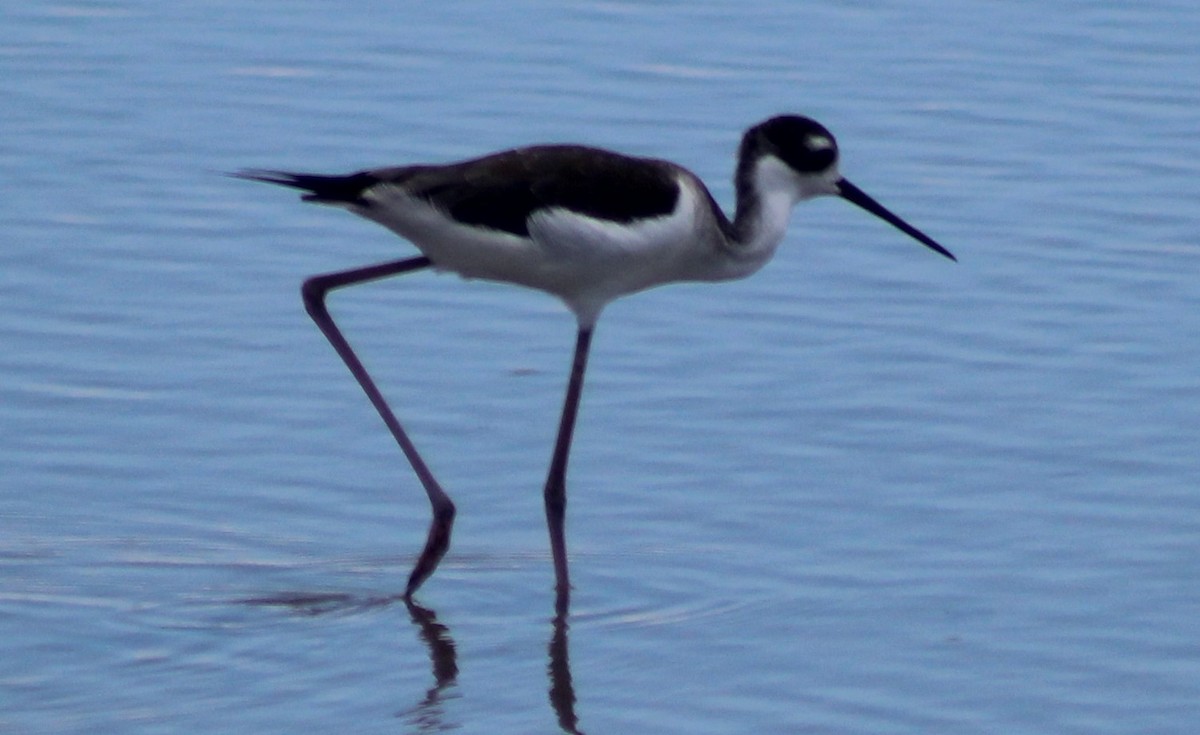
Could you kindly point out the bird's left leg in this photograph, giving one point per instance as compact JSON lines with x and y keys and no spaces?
{"x":556,"y":480}
{"x":314,"y":292}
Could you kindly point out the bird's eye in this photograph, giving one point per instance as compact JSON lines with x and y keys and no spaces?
{"x":818,"y":143}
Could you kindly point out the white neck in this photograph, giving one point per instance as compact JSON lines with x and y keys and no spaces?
{"x":764,"y":211}
{"x":767,"y":191}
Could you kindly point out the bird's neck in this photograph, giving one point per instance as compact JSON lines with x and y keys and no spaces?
{"x":766,"y":194}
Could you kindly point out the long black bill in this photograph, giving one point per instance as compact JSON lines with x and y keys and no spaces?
{"x":855,"y":195}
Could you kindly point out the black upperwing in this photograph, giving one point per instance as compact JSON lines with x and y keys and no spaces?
{"x":501,"y":191}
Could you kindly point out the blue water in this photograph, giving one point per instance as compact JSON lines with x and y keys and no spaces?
{"x":865,"y":491}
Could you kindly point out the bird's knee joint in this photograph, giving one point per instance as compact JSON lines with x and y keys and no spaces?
{"x":444,"y":514}
{"x":313,"y":292}
{"x":556,"y":504}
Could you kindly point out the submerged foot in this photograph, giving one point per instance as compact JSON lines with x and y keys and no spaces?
{"x":436,"y":545}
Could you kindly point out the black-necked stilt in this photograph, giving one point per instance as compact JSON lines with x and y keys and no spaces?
{"x":584,"y":224}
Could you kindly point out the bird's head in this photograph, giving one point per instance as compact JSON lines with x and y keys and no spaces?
{"x":798,"y":157}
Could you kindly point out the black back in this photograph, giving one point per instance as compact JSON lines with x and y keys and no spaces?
{"x":502,"y":190}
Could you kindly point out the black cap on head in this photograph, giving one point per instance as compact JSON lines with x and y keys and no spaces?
{"x":800,"y":142}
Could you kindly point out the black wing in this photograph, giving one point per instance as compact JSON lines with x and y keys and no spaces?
{"x":503,"y":190}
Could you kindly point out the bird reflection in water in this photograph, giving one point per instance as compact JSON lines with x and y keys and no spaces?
{"x":428,"y":715}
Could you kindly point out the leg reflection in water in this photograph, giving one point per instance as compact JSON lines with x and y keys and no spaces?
{"x":429,"y":715}
{"x":562,"y":689}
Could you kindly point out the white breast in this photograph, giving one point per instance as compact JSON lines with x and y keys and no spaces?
{"x":583,"y":260}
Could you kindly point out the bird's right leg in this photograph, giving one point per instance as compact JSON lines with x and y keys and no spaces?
{"x":314,"y":292}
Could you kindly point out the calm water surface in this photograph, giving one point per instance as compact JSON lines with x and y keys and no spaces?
{"x":865,"y":491}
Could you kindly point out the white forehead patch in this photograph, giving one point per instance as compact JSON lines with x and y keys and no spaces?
{"x":818,"y":142}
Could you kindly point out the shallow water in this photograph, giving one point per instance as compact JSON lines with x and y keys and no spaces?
{"x":865,"y":491}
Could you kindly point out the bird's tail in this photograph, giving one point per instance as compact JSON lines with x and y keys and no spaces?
{"x":321,"y":189}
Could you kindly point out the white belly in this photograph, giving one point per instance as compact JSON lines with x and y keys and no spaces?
{"x":585,"y":261}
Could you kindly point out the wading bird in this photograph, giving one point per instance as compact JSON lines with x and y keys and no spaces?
{"x":584,"y":224}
